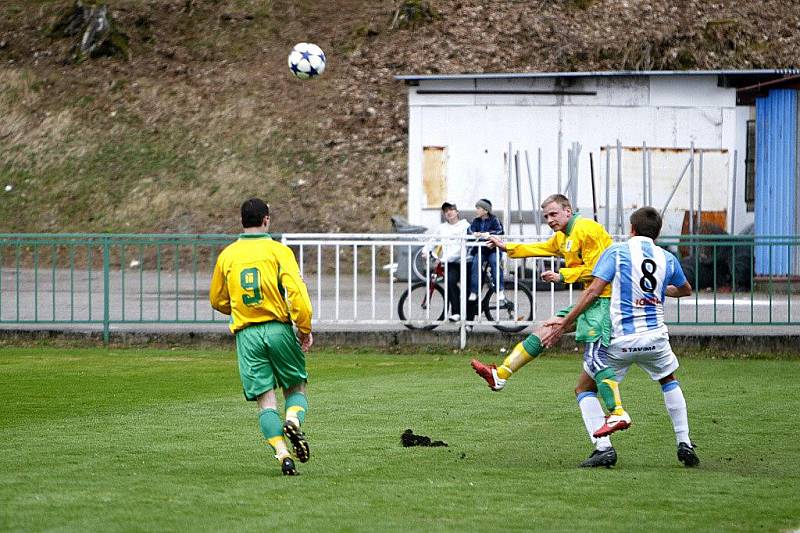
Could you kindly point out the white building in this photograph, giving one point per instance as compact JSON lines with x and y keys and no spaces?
{"x":689,"y":125}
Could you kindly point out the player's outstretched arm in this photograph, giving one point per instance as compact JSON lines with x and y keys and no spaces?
{"x":548,"y":248}
{"x":497,"y":242}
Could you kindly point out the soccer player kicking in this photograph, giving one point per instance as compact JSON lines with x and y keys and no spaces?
{"x":641,"y":275}
{"x":248,"y":284}
{"x":580,"y":241}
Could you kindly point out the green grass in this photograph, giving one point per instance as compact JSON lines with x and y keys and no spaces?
{"x":96,"y":439}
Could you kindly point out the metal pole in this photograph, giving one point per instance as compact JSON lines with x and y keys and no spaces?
{"x":620,"y":214}
{"x":106,"y":291}
{"x":530,"y":184}
{"x":462,"y":294}
{"x":533,"y":210}
{"x":519,"y":195}
{"x":644,"y":172}
{"x":558,"y":185}
{"x":566,"y":190}
{"x":675,"y":188}
{"x":700,"y":192}
{"x":608,"y":187}
{"x":576,"y":153}
{"x":508,"y":191}
{"x":496,"y":268}
{"x":539,"y":194}
{"x":650,"y":177}
{"x":733,"y":203}
{"x":594,"y":195}
{"x":691,"y":189}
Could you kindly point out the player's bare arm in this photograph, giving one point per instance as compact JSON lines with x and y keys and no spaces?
{"x":679,"y":292}
{"x":306,"y":340}
{"x":497,"y":242}
{"x":552,"y":277}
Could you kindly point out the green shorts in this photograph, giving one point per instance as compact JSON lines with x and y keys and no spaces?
{"x":594,"y":323}
{"x":269,"y":356}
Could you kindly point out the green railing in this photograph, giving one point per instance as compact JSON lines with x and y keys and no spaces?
{"x":117,"y":279}
{"x":739,"y":280}
{"x":105,"y":279}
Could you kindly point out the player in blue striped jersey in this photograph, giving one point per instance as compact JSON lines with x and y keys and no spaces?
{"x":641,"y":275}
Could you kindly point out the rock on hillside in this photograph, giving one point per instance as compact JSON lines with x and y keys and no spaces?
{"x":204,"y":112}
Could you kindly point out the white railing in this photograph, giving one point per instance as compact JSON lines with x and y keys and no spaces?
{"x":392,"y":279}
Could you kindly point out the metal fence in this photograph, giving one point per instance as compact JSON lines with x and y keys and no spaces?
{"x":387,"y":280}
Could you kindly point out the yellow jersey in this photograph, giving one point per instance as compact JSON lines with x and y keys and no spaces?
{"x":249,"y":281}
{"x":581,"y":246}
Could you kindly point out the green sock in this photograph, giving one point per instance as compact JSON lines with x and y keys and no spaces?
{"x":606,"y":381}
{"x":272,"y":429}
{"x":296,"y":405}
{"x":270,"y":422}
{"x":532,"y":345}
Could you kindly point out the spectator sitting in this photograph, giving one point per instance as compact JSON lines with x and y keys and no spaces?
{"x":482,"y":226}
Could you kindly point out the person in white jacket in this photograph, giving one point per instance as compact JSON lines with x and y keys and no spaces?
{"x":451,"y":235}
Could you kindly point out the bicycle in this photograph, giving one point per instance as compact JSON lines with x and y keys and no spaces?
{"x":424,"y":301}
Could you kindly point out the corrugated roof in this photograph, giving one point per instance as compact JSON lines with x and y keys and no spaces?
{"x":750,"y":74}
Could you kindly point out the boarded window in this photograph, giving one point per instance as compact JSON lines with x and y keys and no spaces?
{"x":434,"y":175}
{"x":750,"y":167}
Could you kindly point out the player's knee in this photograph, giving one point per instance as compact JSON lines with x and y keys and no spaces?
{"x":667,"y":379}
{"x":580,"y":395}
{"x":586,"y":384}
{"x":300,"y":387}
{"x":533,"y":345}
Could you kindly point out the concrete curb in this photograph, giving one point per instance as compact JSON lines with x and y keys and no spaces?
{"x":397,"y":340}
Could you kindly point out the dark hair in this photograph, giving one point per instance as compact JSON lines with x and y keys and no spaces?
{"x":646,"y":221}
{"x":484,"y":203}
{"x":560,"y":199}
{"x":448,"y":205}
{"x":253,"y":212}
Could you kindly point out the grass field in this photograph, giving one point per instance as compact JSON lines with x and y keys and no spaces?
{"x":96,"y":439}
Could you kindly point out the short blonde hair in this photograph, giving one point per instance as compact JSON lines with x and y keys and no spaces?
{"x":560,"y":199}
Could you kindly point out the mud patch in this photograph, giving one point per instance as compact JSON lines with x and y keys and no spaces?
{"x":407,"y":438}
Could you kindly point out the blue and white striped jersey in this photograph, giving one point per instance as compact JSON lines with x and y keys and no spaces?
{"x":639,"y":272}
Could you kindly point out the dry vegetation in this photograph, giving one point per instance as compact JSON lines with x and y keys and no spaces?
{"x":205,"y":112}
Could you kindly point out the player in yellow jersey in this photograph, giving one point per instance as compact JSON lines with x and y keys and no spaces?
{"x":580,"y":241}
{"x":257,"y":282}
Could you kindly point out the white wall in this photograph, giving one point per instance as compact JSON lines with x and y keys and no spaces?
{"x":742,"y":218}
{"x":666,"y":112}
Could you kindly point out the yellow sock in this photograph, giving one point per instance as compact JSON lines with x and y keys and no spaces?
{"x":518,"y":358}
{"x":293,"y":414}
{"x":614,"y":386}
{"x":279,"y":445}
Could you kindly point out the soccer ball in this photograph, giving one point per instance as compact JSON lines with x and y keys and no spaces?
{"x":306,"y":61}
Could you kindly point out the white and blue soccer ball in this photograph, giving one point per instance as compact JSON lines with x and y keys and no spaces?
{"x":307,"y":61}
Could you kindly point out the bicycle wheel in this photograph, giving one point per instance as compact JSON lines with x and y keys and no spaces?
{"x":422,"y":264}
{"x":418,"y":306}
{"x":517,"y":307}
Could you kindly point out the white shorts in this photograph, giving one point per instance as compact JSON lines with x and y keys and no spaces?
{"x":651,"y":351}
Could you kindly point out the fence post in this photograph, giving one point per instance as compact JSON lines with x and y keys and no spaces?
{"x":106,"y":291}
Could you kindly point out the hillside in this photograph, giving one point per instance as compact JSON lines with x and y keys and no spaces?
{"x":205,"y":113}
